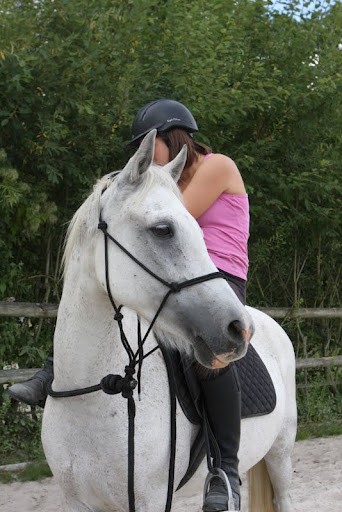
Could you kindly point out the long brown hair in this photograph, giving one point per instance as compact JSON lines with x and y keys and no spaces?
{"x":175,"y":140}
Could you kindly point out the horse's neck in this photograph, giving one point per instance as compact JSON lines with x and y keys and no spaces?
{"x":87,"y":343}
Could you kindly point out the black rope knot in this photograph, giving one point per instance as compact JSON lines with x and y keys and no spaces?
{"x":129,"y":384}
{"x":118,"y":316}
{"x":175,"y":287}
{"x":111,"y":384}
{"x":102,"y":225}
{"x":129,"y":371}
{"x":114,"y":384}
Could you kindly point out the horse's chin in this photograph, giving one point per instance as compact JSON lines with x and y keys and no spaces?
{"x":206,"y":357}
{"x":223,"y":360}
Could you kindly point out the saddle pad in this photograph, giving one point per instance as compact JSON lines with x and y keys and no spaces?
{"x":258,"y":395}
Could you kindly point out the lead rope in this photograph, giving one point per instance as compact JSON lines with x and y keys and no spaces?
{"x":114,"y":384}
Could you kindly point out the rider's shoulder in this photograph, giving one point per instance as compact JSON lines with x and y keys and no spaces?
{"x":222,"y":172}
{"x":220,"y":165}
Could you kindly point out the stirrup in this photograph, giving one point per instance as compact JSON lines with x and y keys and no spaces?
{"x":218,"y":472}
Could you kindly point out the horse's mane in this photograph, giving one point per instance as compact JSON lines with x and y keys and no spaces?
{"x":82,"y":223}
{"x":85,"y":220}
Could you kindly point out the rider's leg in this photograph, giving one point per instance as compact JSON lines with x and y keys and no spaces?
{"x":34,"y":390}
{"x":222,"y":401}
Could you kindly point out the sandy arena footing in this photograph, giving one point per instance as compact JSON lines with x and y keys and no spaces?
{"x":316,"y":484}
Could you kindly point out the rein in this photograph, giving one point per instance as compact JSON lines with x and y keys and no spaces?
{"x":114,"y":384}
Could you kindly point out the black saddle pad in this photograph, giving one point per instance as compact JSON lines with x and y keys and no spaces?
{"x":258,"y":395}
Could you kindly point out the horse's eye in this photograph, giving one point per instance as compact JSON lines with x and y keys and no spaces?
{"x":162,"y":231}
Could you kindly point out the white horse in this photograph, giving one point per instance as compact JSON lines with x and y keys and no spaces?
{"x":85,"y":437}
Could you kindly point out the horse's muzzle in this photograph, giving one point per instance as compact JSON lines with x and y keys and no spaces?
{"x":239,"y":336}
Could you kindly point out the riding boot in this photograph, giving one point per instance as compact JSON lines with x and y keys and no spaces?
{"x":222,"y":402}
{"x":34,"y":390}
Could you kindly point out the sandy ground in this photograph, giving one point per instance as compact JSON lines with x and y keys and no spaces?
{"x":317,"y":484}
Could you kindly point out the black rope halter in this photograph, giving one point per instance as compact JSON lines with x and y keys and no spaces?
{"x":114,"y":384}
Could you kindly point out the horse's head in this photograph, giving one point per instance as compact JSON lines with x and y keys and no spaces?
{"x":144,"y":212}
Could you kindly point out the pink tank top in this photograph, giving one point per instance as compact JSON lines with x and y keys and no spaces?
{"x":225,"y":226}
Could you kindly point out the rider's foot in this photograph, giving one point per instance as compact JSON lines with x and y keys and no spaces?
{"x":216,"y":499}
{"x":34,"y":390}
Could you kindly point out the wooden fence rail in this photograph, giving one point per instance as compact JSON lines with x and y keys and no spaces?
{"x":41,"y":310}
{"x":29,"y":310}
{"x":9,"y":376}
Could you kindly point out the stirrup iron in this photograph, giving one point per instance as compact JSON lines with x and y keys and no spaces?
{"x":218,"y":472}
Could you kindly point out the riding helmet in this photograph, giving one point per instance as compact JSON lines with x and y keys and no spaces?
{"x":162,"y":115}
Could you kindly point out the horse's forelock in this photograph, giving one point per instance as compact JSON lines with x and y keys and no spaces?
{"x":153,"y":176}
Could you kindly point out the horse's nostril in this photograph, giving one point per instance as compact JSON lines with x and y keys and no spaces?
{"x":237,"y":331}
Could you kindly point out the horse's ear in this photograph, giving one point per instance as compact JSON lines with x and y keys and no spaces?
{"x":142,"y":158}
{"x":176,"y":166}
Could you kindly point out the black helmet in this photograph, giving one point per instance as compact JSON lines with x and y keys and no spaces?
{"x":163,"y":115}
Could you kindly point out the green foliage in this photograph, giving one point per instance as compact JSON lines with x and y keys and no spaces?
{"x":19,"y":433}
{"x":35,"y":471}
{"x":25,"y":342}
{"x":317,"y":403}
{"x":308,"y":431}
{"x":265,"y":87}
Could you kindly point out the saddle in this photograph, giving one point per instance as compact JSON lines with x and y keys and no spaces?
{"x":258,"y":395}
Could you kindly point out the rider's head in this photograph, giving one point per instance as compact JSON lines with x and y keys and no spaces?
{"x":175,"y":125}
{"x":162,"y":115}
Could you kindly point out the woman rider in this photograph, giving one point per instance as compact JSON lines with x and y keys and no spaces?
{"x":214,"y":193}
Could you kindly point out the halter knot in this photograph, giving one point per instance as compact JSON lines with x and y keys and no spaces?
{"x":129,"y":371}
{"x":114,"y":384}
{"x":102,"y":225}
{"x":118,"y":316}
{"x":111,"y":384}
{"x":175,"y":287}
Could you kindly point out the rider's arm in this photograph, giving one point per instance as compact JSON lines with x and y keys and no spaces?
{"x":214,"y":176}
